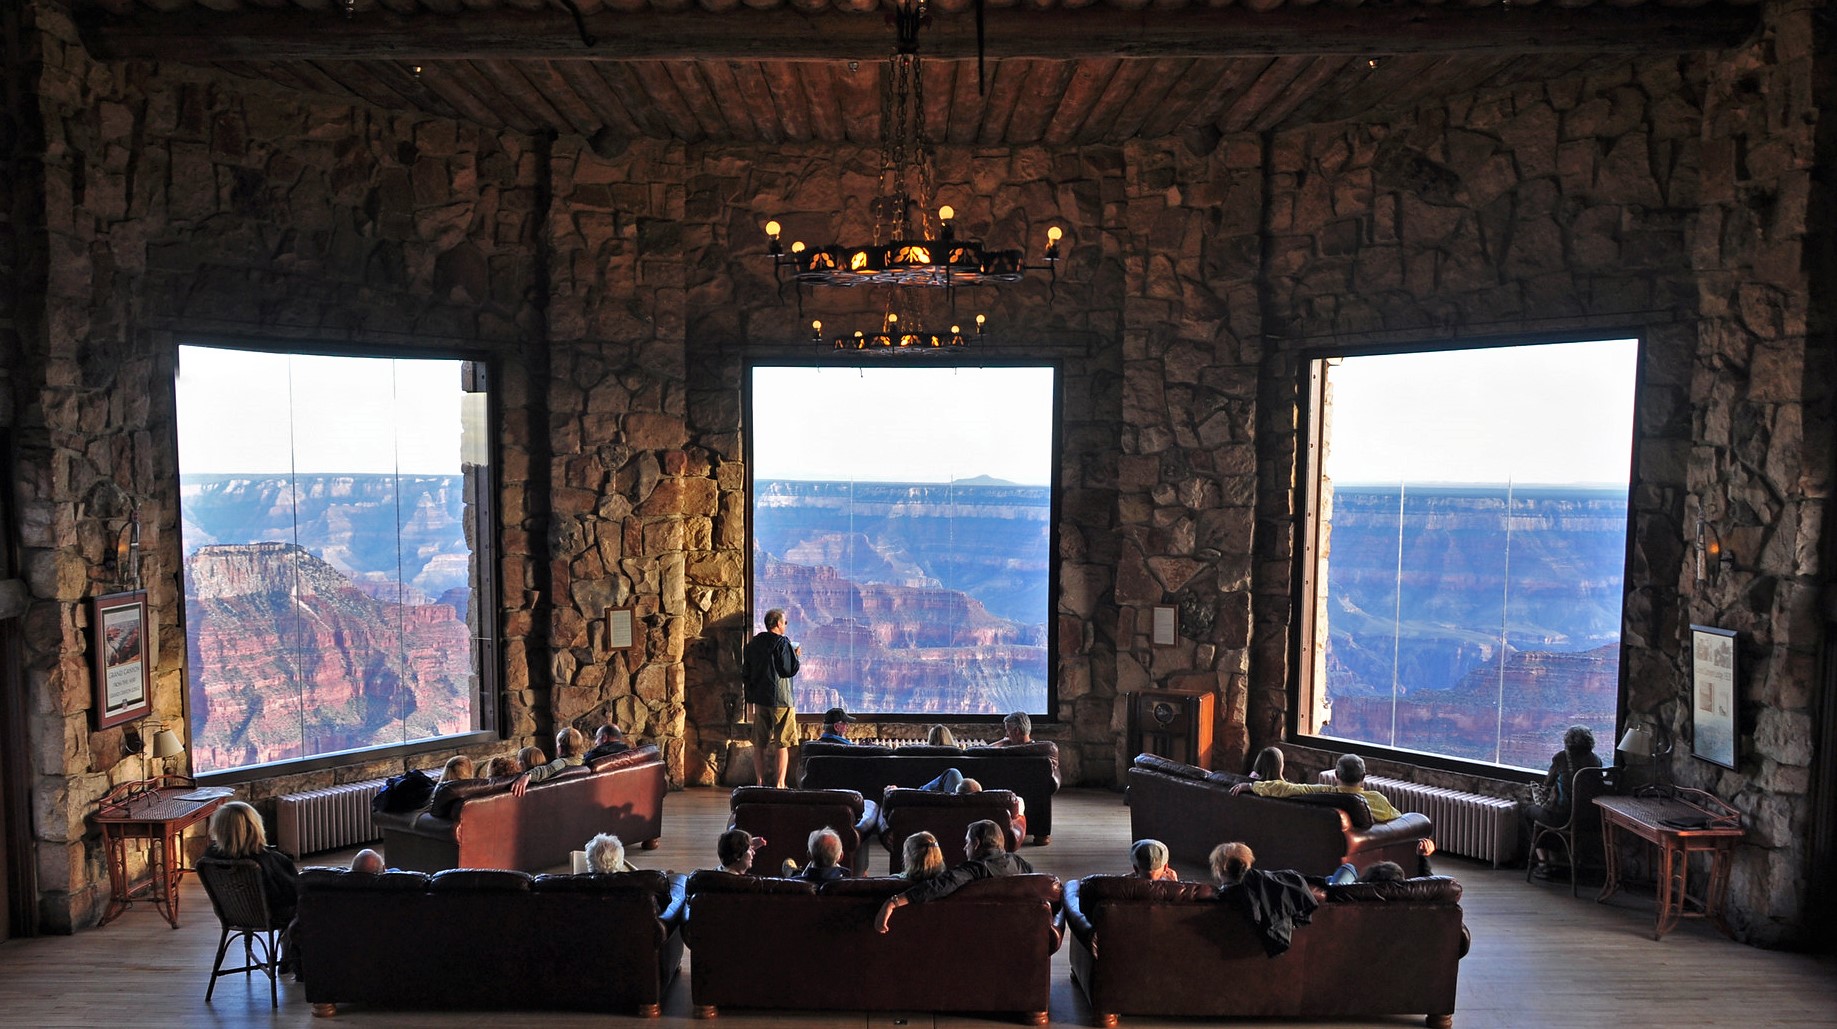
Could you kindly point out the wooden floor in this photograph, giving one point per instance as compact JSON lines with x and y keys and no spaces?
{"x":1539,"y":957}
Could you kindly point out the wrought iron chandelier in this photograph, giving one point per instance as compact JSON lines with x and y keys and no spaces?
{"x":908,"y":249}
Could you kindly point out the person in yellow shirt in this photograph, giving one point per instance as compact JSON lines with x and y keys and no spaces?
{"x":1350,"y":771}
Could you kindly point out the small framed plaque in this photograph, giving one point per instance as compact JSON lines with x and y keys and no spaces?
{"x":1166,"y":625}
{"x":618,"y":628}
{"x":1713,"y":704}
{"x":122,"y":664}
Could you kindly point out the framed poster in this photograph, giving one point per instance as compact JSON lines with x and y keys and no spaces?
{"x":618,"y":628}
{"x":122,"y":663}
{"x":1712,"y":695}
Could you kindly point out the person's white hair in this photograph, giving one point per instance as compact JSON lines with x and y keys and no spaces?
{"x":825,"y":848}
{"x":605,"y":853}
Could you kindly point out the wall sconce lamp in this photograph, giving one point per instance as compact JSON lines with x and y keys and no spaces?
{"x":1711,"y":558}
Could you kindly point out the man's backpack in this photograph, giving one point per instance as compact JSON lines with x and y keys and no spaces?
{"x":409,"y":791}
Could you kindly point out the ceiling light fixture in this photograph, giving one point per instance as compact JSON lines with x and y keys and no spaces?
{"x":908,"y":250}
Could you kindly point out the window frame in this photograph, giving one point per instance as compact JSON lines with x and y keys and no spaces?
{"x":927,"y":360}
{"x":489,"y":697}
{"x":1311,"y":437}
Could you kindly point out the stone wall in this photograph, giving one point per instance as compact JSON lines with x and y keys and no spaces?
{"x":1663,"y":197}
{"x":176,"y":200}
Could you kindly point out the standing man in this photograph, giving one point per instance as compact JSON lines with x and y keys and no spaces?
{"x":766,"y":668}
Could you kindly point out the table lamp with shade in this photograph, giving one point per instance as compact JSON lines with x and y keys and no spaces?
{"x":1647,"y":740}
{"x":166,"y":744}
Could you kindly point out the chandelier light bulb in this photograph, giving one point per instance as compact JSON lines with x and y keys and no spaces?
{"x":816,"y":325}
{"x":1054,"y":234}
{"x":892,"y":319}
{"x":772,"y":229}
{"x":955,"y":330}
{"x":947,"y":212}
{"x":797,"y":247}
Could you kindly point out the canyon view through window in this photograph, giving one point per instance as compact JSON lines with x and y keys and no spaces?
{"x":1467,"y":548}
{"x":902,"y":518}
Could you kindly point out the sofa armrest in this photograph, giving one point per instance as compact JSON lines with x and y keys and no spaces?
{"x":1410,"y":826}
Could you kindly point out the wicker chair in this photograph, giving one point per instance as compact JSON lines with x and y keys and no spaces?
{"x":235,"y":892}
{"x":1583,"y":820}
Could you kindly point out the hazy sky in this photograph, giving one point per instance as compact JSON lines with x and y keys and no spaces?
{"x":1555,"y":413}
{"x":262,"y":414}
{"x":903,"y":424}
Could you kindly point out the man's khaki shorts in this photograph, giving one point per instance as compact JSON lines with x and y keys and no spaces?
{"x":774,"y":725}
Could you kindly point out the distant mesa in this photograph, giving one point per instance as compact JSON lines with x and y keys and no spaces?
{"x":983,"y":480}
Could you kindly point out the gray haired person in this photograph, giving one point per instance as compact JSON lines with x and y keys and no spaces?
{"x":606,"y":854}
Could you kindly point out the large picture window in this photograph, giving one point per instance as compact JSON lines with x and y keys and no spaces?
{"x":902,"y":517}
{"x":1466,"y":548}
{"x":334,"y":512}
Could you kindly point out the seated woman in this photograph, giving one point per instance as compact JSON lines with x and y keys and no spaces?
{"x":923,"y":858}
{"x":531,"y":757}
{"x":1578,"y":752}
{"x":1148,"y":860}
{"x":1268,"y":765}
{"x":940,"y":736}
{"x":502,"y":766}
{"x":236,"y":834}
{"x":735,"y":848}
{"x":457,"y":767}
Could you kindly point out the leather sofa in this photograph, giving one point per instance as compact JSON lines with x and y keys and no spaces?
{"x":786,"y":818}
{"x":489,"y":940}
{"x":787,"y":944}
{"x":1030,"y":769}
{"x":1192,"y":811}
{"x":946,"y":816}
{"x":478,"y":823}
{"x":1172,"y":949}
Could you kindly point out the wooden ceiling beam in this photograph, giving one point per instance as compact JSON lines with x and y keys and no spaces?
{"x":791,"y":34}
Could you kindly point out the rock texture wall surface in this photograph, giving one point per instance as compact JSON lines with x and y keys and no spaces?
{"x":175,"y":200}
{"x":622,"y":288}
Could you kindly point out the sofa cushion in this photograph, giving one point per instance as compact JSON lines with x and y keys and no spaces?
{"x":1096,"y":889}
{"x":773,"y":795}
{"x":879,"y":886}
{"x":627,"y":758}
{"x":1166,"y":766}
{"x":394,"y":880}
{"x":1352,"y":804}
{"x":1433,"y":889}
{"x":1033,"y":885}
{"x":647,"y":880}
{"x":480,"y":880}
{"x":714,"y":880}
{"x":816,"y":747}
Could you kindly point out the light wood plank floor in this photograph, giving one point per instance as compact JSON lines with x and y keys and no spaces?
{"x":1539,"y":957}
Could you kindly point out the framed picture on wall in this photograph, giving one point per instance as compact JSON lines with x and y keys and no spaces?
{"x":123,"y":666}
{"x":1712,"y":695}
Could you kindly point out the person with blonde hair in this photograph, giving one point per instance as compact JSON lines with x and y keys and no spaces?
{"x":236,"y":834}
{"x":940,"y":736}
{"x":1268,"y":766}
{"x":458,"y":767}
{"x":922,"y":856}
{"x":530,"y":757}
{"x":1230,"y":863}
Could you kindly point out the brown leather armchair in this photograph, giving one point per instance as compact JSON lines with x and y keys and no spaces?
{"x":786,"y":818}
{"x":1172,"y":949}
{"x":944,"y":815}
{"x":987,"y":947}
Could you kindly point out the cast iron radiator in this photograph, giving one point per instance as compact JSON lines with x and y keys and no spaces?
{"x":326,"y":819}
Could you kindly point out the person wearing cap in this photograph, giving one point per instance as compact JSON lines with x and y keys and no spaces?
{"x":835,"y":726}
{"x":1149,"y":858}
{"x":766,"y":668}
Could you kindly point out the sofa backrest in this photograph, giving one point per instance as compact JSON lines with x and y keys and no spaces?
{"x":552,"y":818}
{"x":786,"y":818}
{"x":944,"y":815}
{"x":482,"y":938}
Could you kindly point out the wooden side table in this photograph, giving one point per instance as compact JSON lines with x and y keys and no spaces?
{"x":1679,"y":822}
{"x":157,"y":811}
